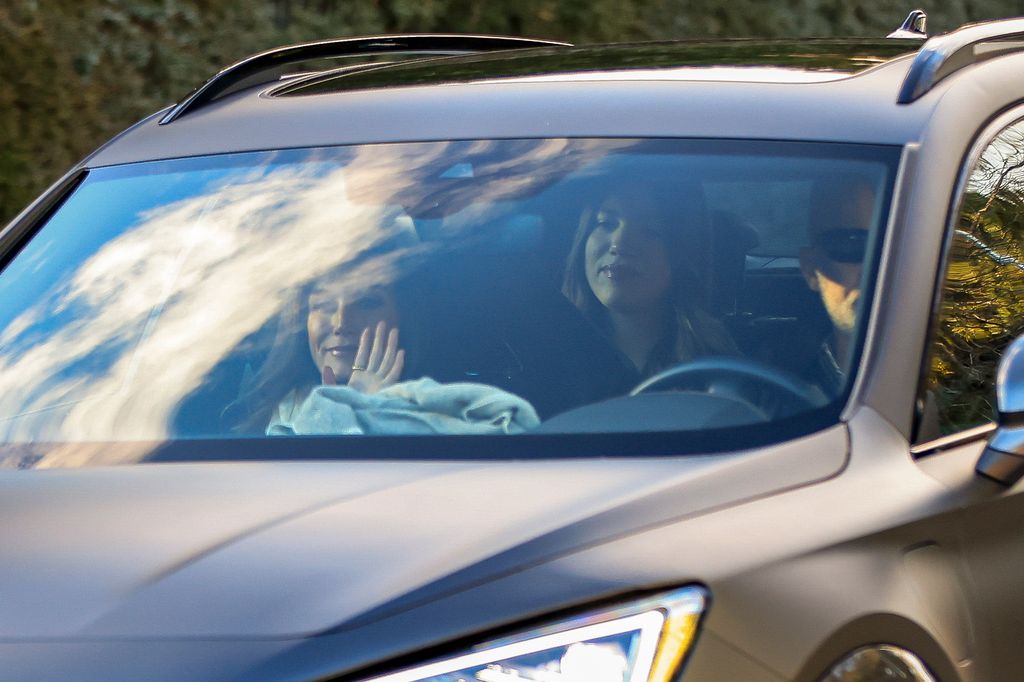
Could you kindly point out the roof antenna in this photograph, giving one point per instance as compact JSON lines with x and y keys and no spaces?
{"x":914,"y":27}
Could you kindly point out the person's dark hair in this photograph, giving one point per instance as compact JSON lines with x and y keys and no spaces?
{"x":287,"y":367}
{"x":691,"y":331}
{"x":834,"y":200}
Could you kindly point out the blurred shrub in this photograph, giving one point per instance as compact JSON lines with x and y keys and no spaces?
{"x":74,"y":72}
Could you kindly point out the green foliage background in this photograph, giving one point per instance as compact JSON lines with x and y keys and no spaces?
{"x":74,"y":72}
{"x":981,"y":309}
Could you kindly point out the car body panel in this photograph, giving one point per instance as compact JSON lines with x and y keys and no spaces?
{"x":469,"y":523}
{"x":758,"y":570}
{"x":810,"y":549}
{"x":785,"y":111}
{"x":922,"y":209}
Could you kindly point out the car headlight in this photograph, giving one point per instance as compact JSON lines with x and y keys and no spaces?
{"x":642,"y":641}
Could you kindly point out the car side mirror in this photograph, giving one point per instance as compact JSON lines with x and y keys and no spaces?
{"x":1003,"y":459}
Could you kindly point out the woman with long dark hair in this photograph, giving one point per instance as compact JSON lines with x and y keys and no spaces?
{"x":336,"y":368}
{"x":632,"y":273}
{"x":337,"y":330}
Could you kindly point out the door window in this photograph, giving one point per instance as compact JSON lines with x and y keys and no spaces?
{"x":982,"y":304}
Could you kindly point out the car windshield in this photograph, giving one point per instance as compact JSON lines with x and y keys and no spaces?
{"x":561,"y":297}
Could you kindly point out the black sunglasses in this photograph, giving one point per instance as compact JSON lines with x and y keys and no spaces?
{"x":843,"y":245}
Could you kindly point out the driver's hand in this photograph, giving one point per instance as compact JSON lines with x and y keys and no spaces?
{"x":378,"y":362}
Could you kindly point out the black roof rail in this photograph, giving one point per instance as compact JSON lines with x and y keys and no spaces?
{"x":267,"y":66}
{"x":944,"y":55}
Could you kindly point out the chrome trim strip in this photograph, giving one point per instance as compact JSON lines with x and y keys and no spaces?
{"x":944,"y":55}
{"x":953,"y":440}
{"x":249,"y":69}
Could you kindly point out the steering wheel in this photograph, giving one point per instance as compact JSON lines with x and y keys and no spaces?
{"x":773,"y":391}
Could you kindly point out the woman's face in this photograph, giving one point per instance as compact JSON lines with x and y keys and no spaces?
{"x":626,"y":262}
{"x":337,"y":317}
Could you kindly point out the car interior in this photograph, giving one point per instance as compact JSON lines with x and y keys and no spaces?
{"x":486,"y":304}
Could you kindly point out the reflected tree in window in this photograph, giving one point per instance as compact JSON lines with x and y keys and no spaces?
{"x":982,"y":306}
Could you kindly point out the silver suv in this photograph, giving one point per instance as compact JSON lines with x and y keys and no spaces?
{"x":442,"y":358}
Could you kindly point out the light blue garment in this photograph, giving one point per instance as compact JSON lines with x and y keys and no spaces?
{"x":420,"y":407}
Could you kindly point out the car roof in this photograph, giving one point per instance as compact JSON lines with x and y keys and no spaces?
{"x":828,"y":90}
{"x":741,"y":60}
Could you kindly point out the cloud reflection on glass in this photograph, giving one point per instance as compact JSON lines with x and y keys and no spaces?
{"x":115,"y":344}
{"x":174,"y":294}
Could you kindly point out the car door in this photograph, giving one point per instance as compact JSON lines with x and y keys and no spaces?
{"x":980,"y":310}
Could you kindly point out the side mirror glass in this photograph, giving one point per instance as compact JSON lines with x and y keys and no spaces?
{"x":1010,"y":382}
{"x":1003,"y":459}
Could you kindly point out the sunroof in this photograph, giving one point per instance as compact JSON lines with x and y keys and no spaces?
{"x":774,"y":61}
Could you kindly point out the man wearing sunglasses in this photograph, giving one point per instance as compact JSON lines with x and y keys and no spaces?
{"x":841,"y":215}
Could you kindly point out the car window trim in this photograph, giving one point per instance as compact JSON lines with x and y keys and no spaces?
{"x":23,"y":228}
{"x":953,"y":440}
{"x":641,"y":443}
{"x":986,"y":134}
{"x":881,"y":250}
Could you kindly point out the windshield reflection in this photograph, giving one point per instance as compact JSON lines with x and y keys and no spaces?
{"x":176,"y":277}
{"x":117,"y":343}
{"x":473,"y":288}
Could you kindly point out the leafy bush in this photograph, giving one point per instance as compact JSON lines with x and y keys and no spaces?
{"x":74,"y":72}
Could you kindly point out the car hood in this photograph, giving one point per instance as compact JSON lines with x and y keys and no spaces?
{"x":279,"y":549}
